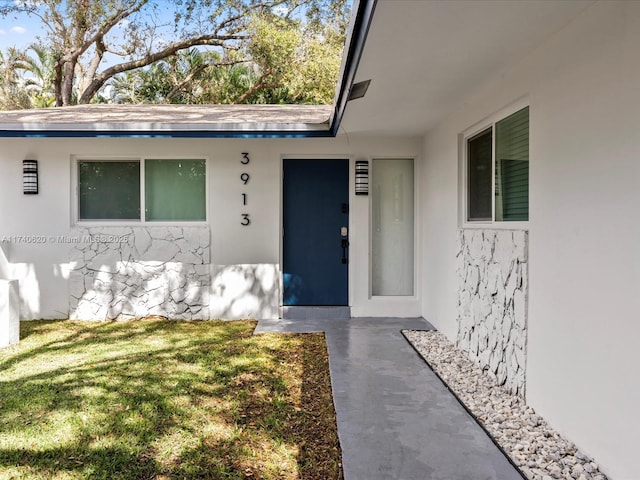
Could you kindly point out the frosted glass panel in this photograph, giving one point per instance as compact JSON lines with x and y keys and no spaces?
{"x":392,"y":249}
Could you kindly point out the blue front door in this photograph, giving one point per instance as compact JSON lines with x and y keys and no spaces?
{"x":315,"y":242}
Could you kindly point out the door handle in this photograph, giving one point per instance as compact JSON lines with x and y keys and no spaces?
{"x":345,"y":245}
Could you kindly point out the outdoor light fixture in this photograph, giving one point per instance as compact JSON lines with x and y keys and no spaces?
{"x":362,"y":177}
{"x":30,"y":177}
{"x":358,"y":90}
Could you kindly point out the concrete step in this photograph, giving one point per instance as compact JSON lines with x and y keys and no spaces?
{"x":316,"y":313}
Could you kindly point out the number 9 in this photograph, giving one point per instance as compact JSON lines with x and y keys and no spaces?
{"x":245,"y":178}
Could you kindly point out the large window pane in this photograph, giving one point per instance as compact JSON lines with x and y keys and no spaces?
{"x":512,"y":167}
{"x":109,"y":190}
{"x":175,"y":190}
{"x":392,"y":248}
{"x":479,"y":181}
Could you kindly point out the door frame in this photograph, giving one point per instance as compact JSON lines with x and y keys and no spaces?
{"x":351,"y":166}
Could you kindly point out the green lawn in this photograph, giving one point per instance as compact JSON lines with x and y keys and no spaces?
{"x":156,"y":399}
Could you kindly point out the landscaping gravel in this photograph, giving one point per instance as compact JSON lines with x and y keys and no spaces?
{"x":538,"y":450}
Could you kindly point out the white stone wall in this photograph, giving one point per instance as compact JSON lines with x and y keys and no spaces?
{"x":492,"y":268}
{"x":128,"y":272}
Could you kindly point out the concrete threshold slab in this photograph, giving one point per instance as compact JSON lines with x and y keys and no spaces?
{"x":316,"y":313}
{"x":396,"y":419}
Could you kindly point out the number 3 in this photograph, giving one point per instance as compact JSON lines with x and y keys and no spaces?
{"x":245,"y":220}
{"x":245,"y":158}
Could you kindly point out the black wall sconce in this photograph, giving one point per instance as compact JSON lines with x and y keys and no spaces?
{"x":362,"y":177}
{"x":30,"y":177}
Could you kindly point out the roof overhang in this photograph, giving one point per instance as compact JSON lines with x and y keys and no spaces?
{"x":168,"y":121}
{"x":189,"y":121}
{"x":427,"y":59}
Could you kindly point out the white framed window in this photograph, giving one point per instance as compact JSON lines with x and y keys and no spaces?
{"x":496,"y":169}
{"x":141,"y":190}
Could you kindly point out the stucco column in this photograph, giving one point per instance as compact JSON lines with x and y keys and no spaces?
{"x":9,"y":313}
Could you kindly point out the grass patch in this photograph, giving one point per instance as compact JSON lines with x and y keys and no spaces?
{"x":155,"y":399}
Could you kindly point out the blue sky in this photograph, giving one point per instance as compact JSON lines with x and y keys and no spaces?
{"x":18,"y":31}
{"x":21,"y":30}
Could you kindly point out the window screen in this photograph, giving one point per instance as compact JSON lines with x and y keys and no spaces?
{"x":109,"y":190}
{"x":479,"y":176}
{"x":512,"y":167}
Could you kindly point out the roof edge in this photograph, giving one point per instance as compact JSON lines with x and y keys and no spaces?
{"x":155,"y":133}
{"x":360,"y":30}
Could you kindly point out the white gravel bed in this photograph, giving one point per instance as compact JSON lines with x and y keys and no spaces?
{"x":539,"y":451}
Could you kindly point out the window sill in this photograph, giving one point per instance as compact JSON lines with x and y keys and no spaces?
{"x":118,"y":224}
{"x":392,"y":298}
{"x":495,"y":226}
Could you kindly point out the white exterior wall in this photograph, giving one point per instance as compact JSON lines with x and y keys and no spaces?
{"x":43,"y":269}
{"x":583,"y":85}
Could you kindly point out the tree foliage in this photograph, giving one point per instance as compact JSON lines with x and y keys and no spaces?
{"x":185,"y":51}
{"x":12,"y":95}
{"x":38,"y":68}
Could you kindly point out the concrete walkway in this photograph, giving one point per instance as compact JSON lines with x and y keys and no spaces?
{"x":396,"y":420}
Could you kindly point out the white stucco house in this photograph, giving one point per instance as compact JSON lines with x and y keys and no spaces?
{"x":501,"y":145}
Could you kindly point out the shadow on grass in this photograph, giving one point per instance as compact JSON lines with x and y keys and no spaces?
{"x":157,"y":399}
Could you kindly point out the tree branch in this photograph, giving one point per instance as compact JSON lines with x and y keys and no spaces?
{"x":95,"y":61}
{"x":189,"y":78}
{"x":107,"y":26}
{"x":262,"y":83}
{"x":168,"y":51}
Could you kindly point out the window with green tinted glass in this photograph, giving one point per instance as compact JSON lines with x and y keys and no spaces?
{"x":512,"y":167}
{"x":498,"y":167}
{"x":109,"y":190}
{"x":479,"y":171}
{"x":175,"y":190}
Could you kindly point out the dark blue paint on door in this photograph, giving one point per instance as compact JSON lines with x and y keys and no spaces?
{"x":315,"y":208}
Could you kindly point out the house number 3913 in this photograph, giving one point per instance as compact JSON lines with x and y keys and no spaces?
{"x":245,"y":177}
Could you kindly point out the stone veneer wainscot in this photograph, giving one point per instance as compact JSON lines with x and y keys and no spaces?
{"x":492,"y":269}
{"x":129,"y":272}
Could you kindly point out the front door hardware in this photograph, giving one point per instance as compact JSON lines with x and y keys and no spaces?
{"x":345,"y":245}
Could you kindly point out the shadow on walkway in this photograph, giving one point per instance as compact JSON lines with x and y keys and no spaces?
{"x":396,"y":419}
